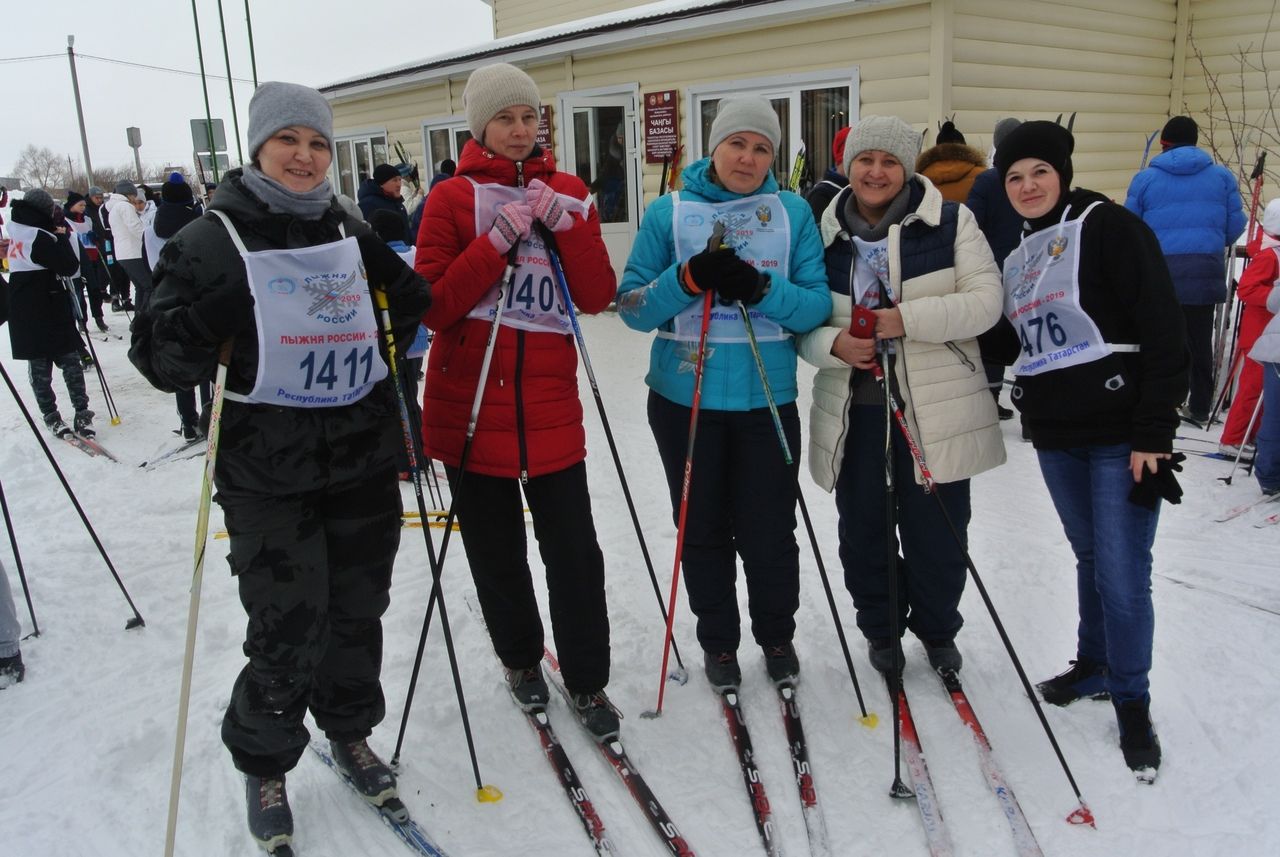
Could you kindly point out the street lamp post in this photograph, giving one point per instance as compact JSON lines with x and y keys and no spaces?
{"x":75,"y":87}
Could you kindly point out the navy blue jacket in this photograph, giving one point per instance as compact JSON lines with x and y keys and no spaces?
{"x":990,"y":205}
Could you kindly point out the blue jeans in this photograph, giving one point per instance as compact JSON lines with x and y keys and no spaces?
{"x":1111,"y":538}
{"x":1267,"y":464}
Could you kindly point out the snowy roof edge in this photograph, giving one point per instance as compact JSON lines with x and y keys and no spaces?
{"x":647,"y":16}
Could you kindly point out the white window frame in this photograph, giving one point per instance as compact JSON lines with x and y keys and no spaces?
{"x":776,"y":86}
{"x":358,"y":135}
{"x":450,"y":122}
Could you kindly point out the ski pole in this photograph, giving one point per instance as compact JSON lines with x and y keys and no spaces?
{"x":680,"y":674}
{"x":1220,"y":401}
{"x":1257,"y":409}
{"x":197,"y":579}
{"x":1081,"y":814}
{"x":484,"y":793}
{"x":717,"y":234}
{"x":13,"y":540}
{"x":868,"y":720}
{"x":507,"y":282}
{"x":683,"y":514}
{"x":898,"y":789}
{"x":136,"y":621}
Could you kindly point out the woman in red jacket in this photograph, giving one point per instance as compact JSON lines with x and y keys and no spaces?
{"x":1255,"y":285}
{"x":529,"y":434}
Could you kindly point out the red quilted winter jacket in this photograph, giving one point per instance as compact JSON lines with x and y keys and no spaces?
{"x":531,"y":416}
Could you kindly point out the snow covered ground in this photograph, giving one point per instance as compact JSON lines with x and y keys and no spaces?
{"x":87,"y":740}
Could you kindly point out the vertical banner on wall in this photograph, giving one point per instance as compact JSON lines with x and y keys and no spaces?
{"x":544,"y":127}
{"x":661,"y":126}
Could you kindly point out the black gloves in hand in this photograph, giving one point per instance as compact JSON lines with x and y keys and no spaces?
{"x":721,"y":271}
{"x":220,"y":315}
{"x":1159,"y":485}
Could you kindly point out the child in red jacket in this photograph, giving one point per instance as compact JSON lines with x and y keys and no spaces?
{"x":1255,"y":286}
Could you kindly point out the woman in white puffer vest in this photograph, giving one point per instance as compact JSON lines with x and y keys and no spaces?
{"x":923,"y":267}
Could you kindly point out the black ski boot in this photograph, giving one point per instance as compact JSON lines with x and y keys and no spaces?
{"x":1086,"y":678}
{"x":11,"y":670}
{"x":370,"y":776}
{"x":943,"y":655}
{"x":782,"y":664}
{"x":56,"y":425}
{"x":528,"y":688}
{"x":597,"y":714}
{"x":883,"y":653}
{"x":1138,"y":739}
{"x":270,"y":819}
{"x":723,"y":672}
{"x":102,"y":325}
{"x":83,"y":423}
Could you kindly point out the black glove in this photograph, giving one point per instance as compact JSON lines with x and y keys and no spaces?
{"x":1159,"y":485}
{"x":220,"y":315}
{"x":721,"y":271}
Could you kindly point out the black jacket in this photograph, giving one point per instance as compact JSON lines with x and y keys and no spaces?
{"x":820,"y":195}
{"x":41,"y":321}
{"x":264,"y":449}
{"x":1126,"y":290}
{"x":370,"y":198}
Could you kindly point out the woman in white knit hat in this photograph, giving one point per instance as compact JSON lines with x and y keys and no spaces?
{"x":742,"y":499}
{"x":922,"y":266}
{"x":276,"y":275}
{"x":529,"y":436}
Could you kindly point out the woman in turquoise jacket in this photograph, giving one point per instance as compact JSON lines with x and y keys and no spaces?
{"x":742,"y":495}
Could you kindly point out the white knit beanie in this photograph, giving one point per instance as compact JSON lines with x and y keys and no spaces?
{"x":744,"y":113}
{"x":1271,"y":219}
{"x":492,"y":89}
{"x":884,"y":134}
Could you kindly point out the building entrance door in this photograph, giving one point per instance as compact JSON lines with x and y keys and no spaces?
{"x":598,"y":139}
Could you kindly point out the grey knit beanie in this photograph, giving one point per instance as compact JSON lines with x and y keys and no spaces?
{"x":492,"y":89}
{"x":277,"y":105}
{"x":124,"y":187}
{"x":884,"y":134}
{"x":744,"y":113}
{"x":39,"y":199}
{"x":1002,"y":129}
{"x":94,"y":190}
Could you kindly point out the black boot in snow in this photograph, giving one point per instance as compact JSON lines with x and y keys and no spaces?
{"x":885,"y":654}
{"x":370,"y":776}
{"x":782,"y":664}
{"x":528,"y":688}
{"x":83,"y":423}
{"x":12,"y":670}
{"x":597,"y":714}
{"x":270,"y":819}
{"x":59,"y":428}
{"x":723,"y":672}
{"x":943,"y":655}
{"x":1138,"y":739}
{"x":1086,"y":678}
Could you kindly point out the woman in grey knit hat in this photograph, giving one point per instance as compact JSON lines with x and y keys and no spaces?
{"x":919,"y":269}
{"x":506,"y":204}
{"x":277,"y":278}
{"x":767,"y":267}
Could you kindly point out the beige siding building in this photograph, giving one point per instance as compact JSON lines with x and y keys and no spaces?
{"x":602,"y":66}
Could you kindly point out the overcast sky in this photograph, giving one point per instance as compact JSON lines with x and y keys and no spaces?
{"x":313,"y":42}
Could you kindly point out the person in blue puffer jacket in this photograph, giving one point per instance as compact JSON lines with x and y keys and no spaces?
{"x":742,"y":495}
{"x":1193,"y":206}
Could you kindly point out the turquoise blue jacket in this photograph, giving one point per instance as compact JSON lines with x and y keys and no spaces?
{"x":650,"y":296}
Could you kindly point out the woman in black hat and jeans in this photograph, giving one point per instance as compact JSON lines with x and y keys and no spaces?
{"x":1100,"y":370}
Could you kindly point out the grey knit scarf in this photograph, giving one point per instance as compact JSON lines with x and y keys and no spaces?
{"x":309,"y":205}
{"x":858,"y":226}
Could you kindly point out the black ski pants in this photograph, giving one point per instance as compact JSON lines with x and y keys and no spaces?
{"x":40,"y":371}
{"x":314,"y":572}
{"x":1199,"y":319}
{"x":742,"y":502}
{"x":931,"y":567}
{"x":491,"y":518}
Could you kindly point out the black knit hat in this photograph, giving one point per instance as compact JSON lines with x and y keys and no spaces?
{"x":1048,"y":141}
{"x":1179,"y":131}
{"x":949,"y":133}
{"x":384,"y":173}
{"x":72,"y":199}
{"x":176,"y":192}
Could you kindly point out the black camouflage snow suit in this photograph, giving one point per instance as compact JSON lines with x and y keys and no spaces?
{"x":310,"y":495}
